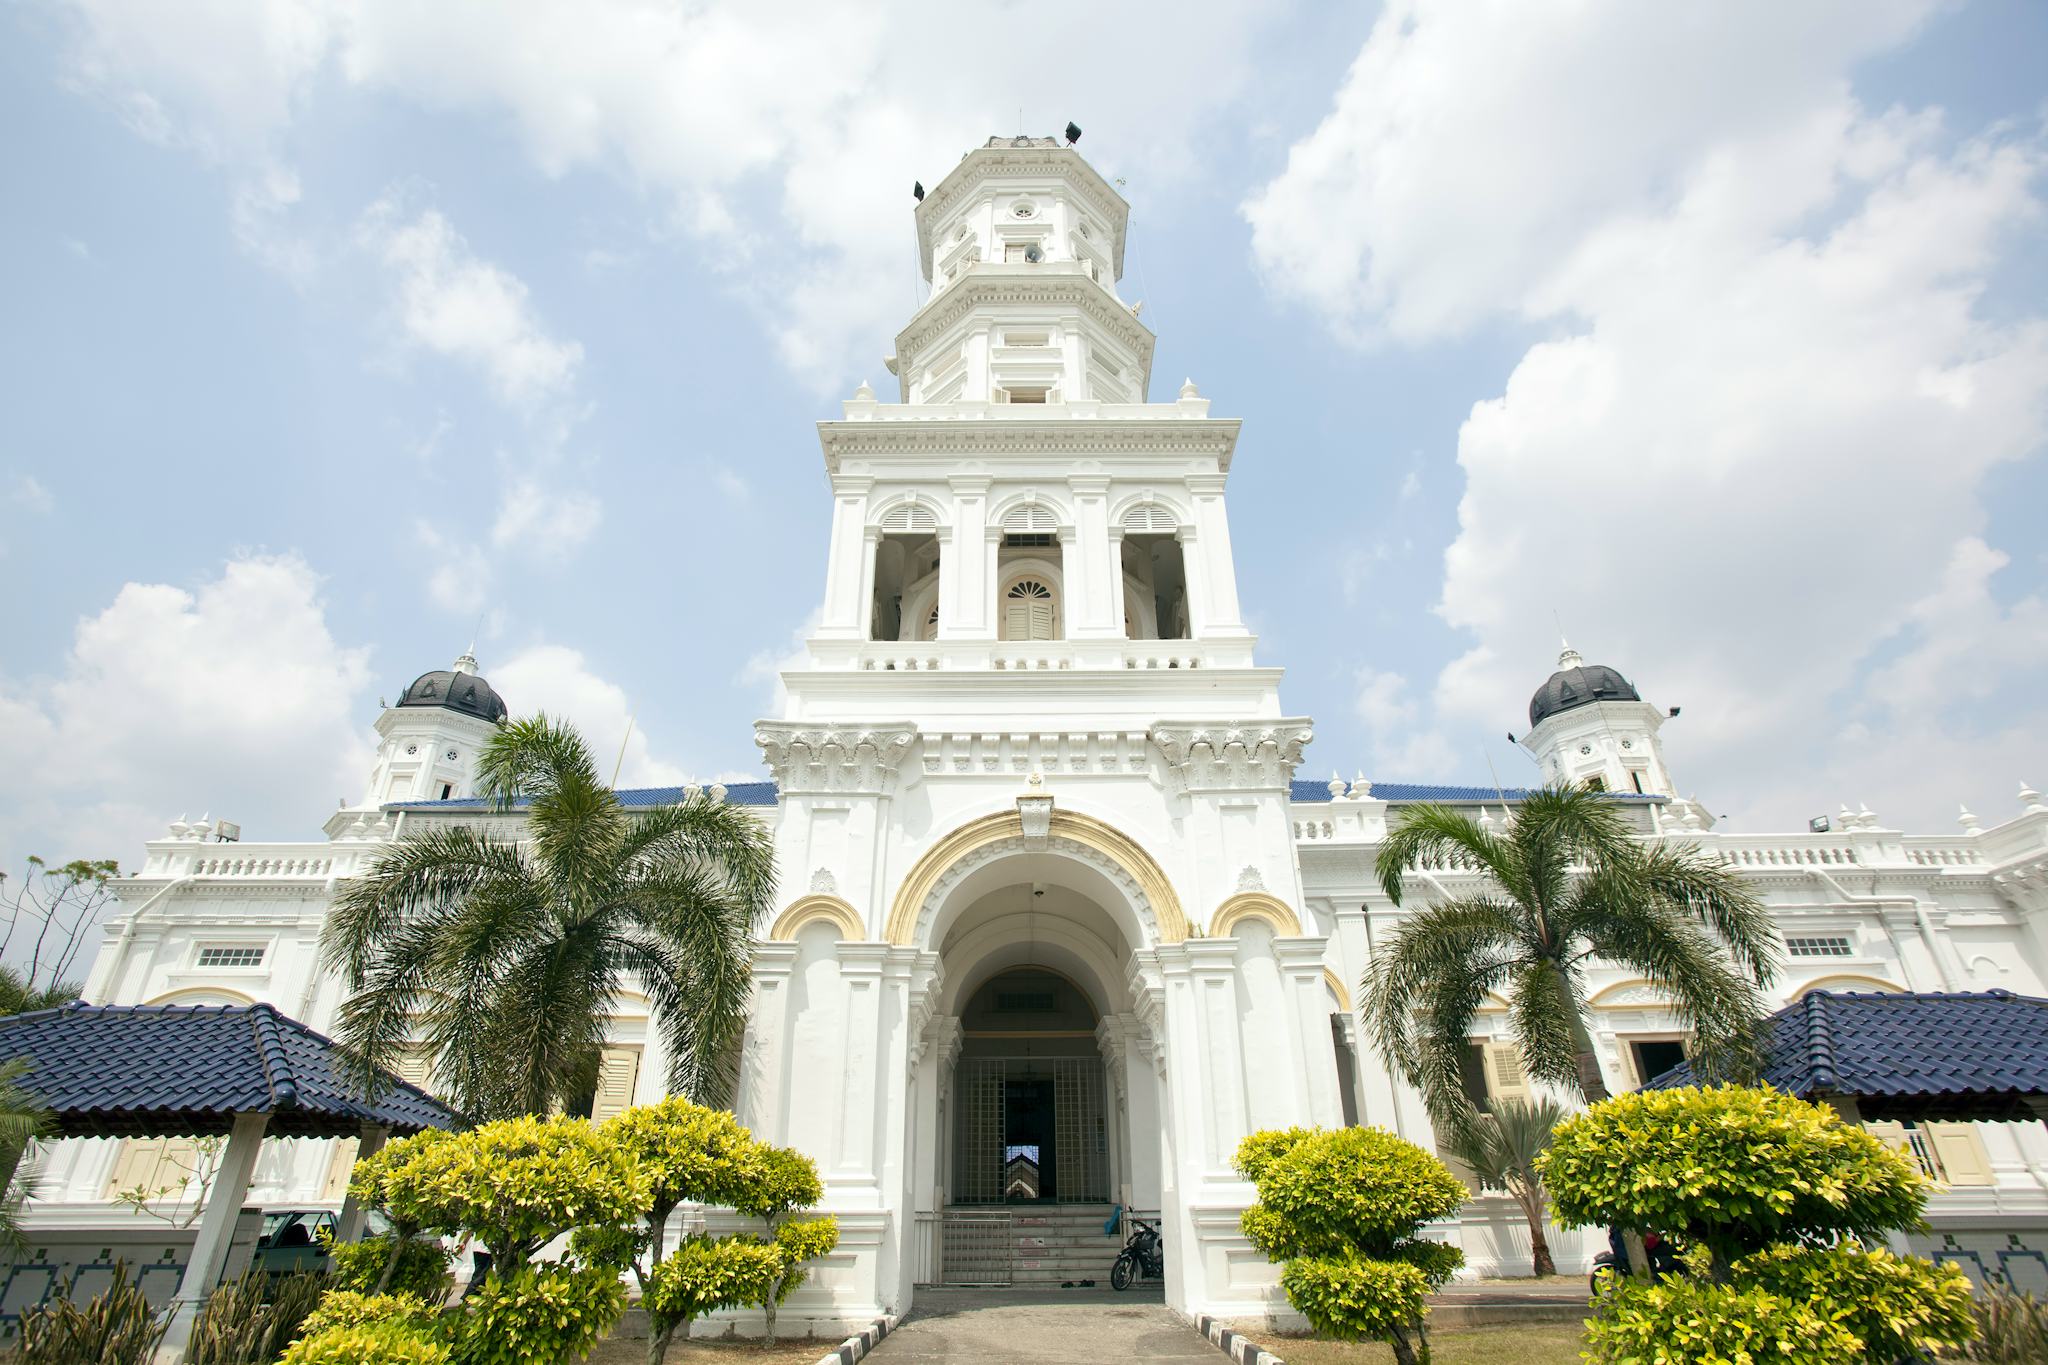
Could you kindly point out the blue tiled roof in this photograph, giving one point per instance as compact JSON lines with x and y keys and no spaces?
{"x":736,"y":794}
{"x":187,"y":1070}
{"x":1307,"y":789}
{"x":1927,"y":1055}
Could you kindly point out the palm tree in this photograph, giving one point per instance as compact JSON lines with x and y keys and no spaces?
{"x":501,"y":954}
{"x":1568,"y":885}
{"x":23,"y":1119}
{"x":1501,"y":1148}
{"x":19,"y":995}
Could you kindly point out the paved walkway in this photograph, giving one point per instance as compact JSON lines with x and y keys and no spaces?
{"x":1040,"y":1327}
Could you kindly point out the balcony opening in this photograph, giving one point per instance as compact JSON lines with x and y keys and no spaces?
{"x":906,"y":600}
{"x":1155,"y":587}
{"x":1030,"y":576}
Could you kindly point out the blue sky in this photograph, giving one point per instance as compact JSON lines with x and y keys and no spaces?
{"x":1720,"y":336}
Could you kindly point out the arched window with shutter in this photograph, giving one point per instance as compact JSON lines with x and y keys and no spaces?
{"x":1030,"y":611}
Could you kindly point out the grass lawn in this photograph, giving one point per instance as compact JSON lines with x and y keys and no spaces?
{"x":1542,"y":1343}
{"x":633,"y":1351}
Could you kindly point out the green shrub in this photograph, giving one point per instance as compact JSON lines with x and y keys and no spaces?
{"x":702,"y":1275}
{"x":1689,"y":1322}
{"x":1897,"y":1306}
{"x":115,"y":1328}
{"x":377,"y":1343}
{"x":517,"y":1184}
{"x":248,"y":1321}
{"x":2013,"y":1327}
{"x":1729,"y":1168}
{"x":783,"y":1180}
{"x":1343,"y":1209}
{"x":353,"y":1308}
{"x":537,"y":1316}
{"x":421,"y":1269}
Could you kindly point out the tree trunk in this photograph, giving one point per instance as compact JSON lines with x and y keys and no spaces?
{"x":768,"y":1308}
{"x":1404,"y":1354}
{"x":390,"y":1263}
{"x":1591,"y":1084}
{"x":1539,"y":1245}
{"x":657,"y":1342}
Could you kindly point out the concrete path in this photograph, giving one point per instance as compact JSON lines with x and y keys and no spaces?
{"x":1040,"y":1327}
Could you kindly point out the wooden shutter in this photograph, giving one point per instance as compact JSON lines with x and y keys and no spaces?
{"x":1894,"y":1136}
{"x":617,"y":1072}
{"x":1505,"y":1078}
{"x":1961,"y":1153}
{"x":152,"y":1164}
{"x":415,"y":1066}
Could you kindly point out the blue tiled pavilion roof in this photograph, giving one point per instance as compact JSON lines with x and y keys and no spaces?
{"x":1927,"y":1055}
{"x":1308,"y":789}
{"x":633,"y":798}
{"x":187,"y":1070}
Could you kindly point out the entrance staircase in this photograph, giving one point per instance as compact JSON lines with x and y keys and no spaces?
{"x":1053,"y":1244}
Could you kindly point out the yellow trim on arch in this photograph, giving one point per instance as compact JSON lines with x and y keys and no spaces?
{"x":1336,"y":985}
{"x":1600,"y":997}
{"x":1254,"y":905}
{"x":207,"y":995}
{"x":811,"y":909}
{"x":1085,"y":830}
{"x":1850,"y":981}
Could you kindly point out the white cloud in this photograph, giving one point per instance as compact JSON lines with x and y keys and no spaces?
{"x":549,"y":522}
{"x":1758,"y":431}
{"x":1402,"y":748}
{"x":31,"y":496}
{"x":458,"y":573}
{"x":784,"y":137}
{"x":260,"y":217}
{"x":458,"y":305}
{"x":558,"y":680}
{"x":226,"y":697}
{"x":730,"y":483}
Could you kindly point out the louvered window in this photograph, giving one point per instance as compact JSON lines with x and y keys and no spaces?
{"x":1028,"y":611}
{"x":1150,"y":518}
{"x":231,"y":955}
{"x":1031,"y":517}
{"x":909,"y":516}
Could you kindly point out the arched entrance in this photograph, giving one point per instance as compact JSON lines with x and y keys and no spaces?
{"x":1031,"y":1122}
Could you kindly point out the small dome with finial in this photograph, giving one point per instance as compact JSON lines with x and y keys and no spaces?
{"x":1578,"y":683}
{"x":460,"y":688}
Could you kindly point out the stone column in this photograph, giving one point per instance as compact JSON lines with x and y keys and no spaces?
{"x":849,"y":564}
{"x":965,"y":591}
{"x":1090,"y":592}
{"x":216,"y":1227}
{"x":1301,"y":974}
{"x":349,"y":1227}
{"x":860,"y":971}
{"x":1219,"y":570}
{"x":764,"y":1063}
{"x":1119,"y":609}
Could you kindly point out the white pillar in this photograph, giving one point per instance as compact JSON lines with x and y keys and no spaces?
{"x":1089,"y":571}
{"x":1301,"y":977}
{"x":854,"y":1165}
{"x":216,"y":1227}
{"x":1212,"y":549}
{"x":350,"y":1227}
{"x":764,"y":1066}
{"x":965,"y":591}
{"x":848,"y":564}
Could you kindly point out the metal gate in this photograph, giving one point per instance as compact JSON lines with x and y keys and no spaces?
{"x":975,"y":1247}
{"x":1080,"y":1138}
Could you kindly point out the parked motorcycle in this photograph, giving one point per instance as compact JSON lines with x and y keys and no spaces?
{"x":1143,"y":1255}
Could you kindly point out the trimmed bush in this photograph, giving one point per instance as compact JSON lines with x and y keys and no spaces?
{"x":352,"y":1308}
{"x":703,"y":1275}
{"x":420,"y":1269}
{"x":1689,"y":1322}
{"x":1728,"y":1168}
{"x":517,"y":1184}
{"x":538,"y":1316}
{"x":1343,"y":1209}
{"x":783,"y":1181}
{"x":1897,"y":1306}
{"x":377,"y":1343}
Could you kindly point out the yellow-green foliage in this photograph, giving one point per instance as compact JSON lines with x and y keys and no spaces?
{"x":693,"y":1154}
{"x":538,"y":1316}
{"x":1732,"y":1169}
{"x":517,"y":1184}
{"x":799,"y":1242}
{"x":1342,"y":1208}
{"x":778,"y":1181}
{"x":1689,"y":1322}
{"x":1897,"y":1306}
{"x":370,"y":1180}
{"x":422,"y":1268}
{"x":1353,"y":1299}
{"x":704,"y":1274}
{"x":351,"y":1308}
{"x":378,"y":1343}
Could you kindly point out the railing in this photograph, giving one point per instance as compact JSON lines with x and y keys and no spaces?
{"x":1944,"y":851}
{"x":261,"y":865}
{"x":1015,"y":660}
{"x":1157,"y":659}
{"x":900,"y":663}
{"x":926,"y":1250}
{"x":977,"y":1247}
{"x":1784,"y":853}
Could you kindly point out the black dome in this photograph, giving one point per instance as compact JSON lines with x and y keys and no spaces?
{"x":1577,"y":683}
{"x":461,"y":689}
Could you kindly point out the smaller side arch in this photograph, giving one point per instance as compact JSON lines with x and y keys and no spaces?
{"x":1850,"y":982}
{"x":907,"y":512}
{"x":1254,"y":905}
{"x":1030,"y":510}
{"x":812,"y":909}
{"x":203,"y":995}
{"x":1337,"y":988}
{"x":1612,"y":995}
{"x":1142,"y":512}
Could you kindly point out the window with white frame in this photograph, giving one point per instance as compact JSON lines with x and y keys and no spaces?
{"x":232,"y":954}
{"x":1030,"y":611}
{"x":1819,"y":945}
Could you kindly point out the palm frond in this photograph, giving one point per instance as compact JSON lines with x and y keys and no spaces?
{"x":1542,"y":1004}
{"x":533,"y":757}
{"x":420,"y":875}
{"x":1430,"y":830}
{"x":1720,"y":898}
{"x":1720,"y":1004}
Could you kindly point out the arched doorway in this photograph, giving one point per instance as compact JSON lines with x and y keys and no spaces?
{"x":1031,"y":1125}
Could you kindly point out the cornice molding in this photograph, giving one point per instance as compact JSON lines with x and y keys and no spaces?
{"x":967,"y":439}
{"x":858,"y":759}
{"x":978,"y":289}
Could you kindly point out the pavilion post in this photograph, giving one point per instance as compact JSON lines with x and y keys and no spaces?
{"x":216,"y":1227}
{"x":353,"y":1210}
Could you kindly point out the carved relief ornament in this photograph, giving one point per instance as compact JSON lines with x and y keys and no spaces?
{"x":856,"y":759}
{"x":1233,"y":757}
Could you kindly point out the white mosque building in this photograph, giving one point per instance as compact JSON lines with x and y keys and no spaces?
{"x":1059,"y":923}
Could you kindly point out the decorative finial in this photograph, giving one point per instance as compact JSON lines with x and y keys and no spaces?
{"x":465,"y":662}
{"x":864,"y":394}
{"x":2031,"y":799}
{"x":1570,"y":658}
{"x":1361,"y":790}
{"x":1188,"y":389}
{"x":1335,"y":785}
{"x":1969,"y":822}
